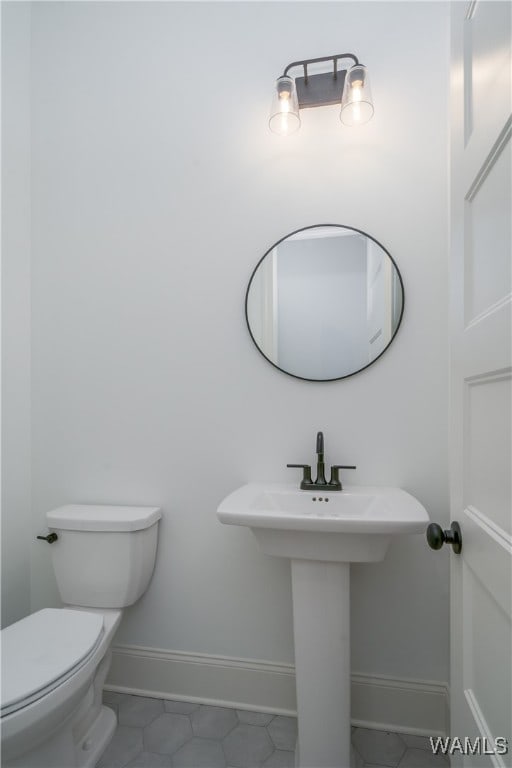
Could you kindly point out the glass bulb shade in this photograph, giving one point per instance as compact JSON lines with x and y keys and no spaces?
{"x":284,"y":114}
{"x":356,"y":102}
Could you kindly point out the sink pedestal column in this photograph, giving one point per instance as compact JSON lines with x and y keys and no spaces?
{"x":321,"y":622}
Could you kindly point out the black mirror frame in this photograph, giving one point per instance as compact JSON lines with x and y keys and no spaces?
{"x":303,"y":229}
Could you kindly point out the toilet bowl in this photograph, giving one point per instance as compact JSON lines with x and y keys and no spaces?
{"x":55,"y":661}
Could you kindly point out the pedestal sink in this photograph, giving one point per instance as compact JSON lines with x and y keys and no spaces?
{"x":322,"y":533}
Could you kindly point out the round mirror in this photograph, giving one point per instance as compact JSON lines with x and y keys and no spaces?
{"x":324,"y":302}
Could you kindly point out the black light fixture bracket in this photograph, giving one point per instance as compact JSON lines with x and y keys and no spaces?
{"x":321,"y":89}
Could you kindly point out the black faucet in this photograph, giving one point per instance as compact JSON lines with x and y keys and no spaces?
{"x":321,"y":484}
{"x":320,"y":466}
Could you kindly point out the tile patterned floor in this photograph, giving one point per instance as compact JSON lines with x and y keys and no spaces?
{"x":153,"y":733}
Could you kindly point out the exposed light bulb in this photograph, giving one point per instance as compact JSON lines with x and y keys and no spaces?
{"x":284,"y":115}
{"x":357,"y":97}
{"x":284,"y":97}
{"x":356,"y":104}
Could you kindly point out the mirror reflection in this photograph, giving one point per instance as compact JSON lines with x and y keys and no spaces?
{"x":324,"y":302}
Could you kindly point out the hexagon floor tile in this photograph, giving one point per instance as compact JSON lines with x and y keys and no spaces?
{"x":138,"y":710}
{"x":167,"y":733}
{"x":213,"y":722}
{"x":283,"y":732}
{"x":379,"y":747}
{"x":200,"y":753}
{"x":153,"y":733}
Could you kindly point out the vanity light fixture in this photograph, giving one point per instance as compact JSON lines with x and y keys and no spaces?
{"x":348,"y":87}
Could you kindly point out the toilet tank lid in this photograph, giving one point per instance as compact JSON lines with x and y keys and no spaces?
{"x":102,"y":517}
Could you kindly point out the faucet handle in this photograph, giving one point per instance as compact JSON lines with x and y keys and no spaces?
{"x":306,"y":474}
{"x":335,"y":474}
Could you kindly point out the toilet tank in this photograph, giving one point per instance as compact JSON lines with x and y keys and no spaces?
{"x":104,"y":555}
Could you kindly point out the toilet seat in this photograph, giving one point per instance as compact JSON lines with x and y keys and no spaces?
{"x":43,"y":650}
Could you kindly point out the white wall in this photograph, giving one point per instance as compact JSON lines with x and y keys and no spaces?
{"x":156,"y":189}
{"x":16,"y":527}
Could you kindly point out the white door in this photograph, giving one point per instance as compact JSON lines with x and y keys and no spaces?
{"x":481,"y":576}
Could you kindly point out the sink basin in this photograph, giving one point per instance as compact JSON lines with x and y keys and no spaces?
{"x":353,"y":525}
{"x":322,"y":532}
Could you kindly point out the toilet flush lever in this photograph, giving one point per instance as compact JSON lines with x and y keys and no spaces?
{"x":50,"y":538}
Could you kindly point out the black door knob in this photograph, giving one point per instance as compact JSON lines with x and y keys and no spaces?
{"x":436,"y":537}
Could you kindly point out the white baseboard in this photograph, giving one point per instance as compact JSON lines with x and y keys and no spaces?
{"x":382,"y":703}
{"x":404,"y":706}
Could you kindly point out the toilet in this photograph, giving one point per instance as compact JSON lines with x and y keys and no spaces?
{"x":55,"y":661}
